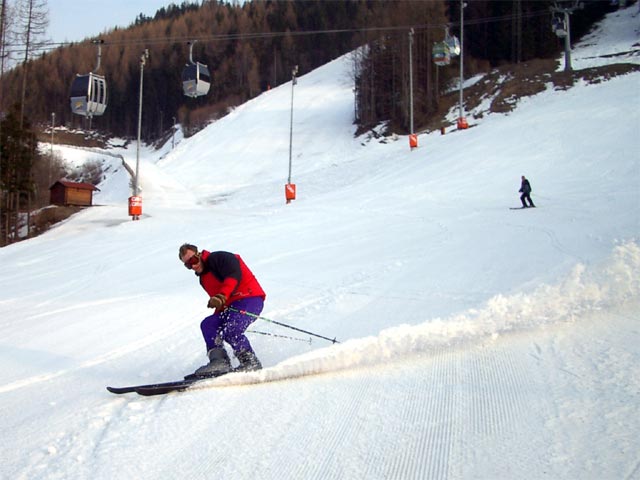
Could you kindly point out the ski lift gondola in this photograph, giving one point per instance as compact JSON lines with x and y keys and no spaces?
{"x":559,"y":26}
{"x":441,"y":54}
{"x":89,"y":95}
{"x":89,"y":92}
{"x":453,"y":43}
{"x":196,"y":79}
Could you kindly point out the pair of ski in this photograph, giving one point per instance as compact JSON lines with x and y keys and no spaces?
{"x":161,"y":388}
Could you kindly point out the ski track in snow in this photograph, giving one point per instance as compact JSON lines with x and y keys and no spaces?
{"x":96,"y":361}
{"x":446,"y":400}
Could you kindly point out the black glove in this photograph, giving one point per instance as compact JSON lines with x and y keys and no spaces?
{"x":217,"y":301}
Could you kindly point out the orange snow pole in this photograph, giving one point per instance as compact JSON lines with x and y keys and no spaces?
{"x":135,"y":207}
{"x":413,"y":141}
{"x":290,"y":192}
{"x":462,"y":123}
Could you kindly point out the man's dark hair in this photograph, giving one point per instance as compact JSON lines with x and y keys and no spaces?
{"x":184,"y":247}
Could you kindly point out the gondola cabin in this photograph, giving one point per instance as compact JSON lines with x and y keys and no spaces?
{"x":66,"y":193}
{"x":441,"y":54}
{"x":196,"y":80}
{"x":559,"y":26}
{"x":89,"y":95}
{"x":454,"y":45}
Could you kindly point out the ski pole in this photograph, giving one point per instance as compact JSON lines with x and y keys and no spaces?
{"x":244,"y":312}
{"x":280,"y":336}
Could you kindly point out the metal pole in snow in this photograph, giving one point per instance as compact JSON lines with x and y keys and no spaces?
{"x":462,"y":5}
{"x":411,"y":80}
{"x":567,"y":42}
{"x":294,"y":72}
{"x":143,"y":59}
{"x":173,"y":135}
{"x":53,"y":124}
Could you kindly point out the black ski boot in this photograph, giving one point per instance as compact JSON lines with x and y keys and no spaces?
{"x":219,"y":364}
{"x":248,"y":361}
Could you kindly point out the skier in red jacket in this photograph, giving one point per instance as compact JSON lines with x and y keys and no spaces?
{"x":229,"y":283}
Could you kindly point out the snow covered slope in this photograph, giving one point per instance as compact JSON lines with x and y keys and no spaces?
{"x":476,"y":341}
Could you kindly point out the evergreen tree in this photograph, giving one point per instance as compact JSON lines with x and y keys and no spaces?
{"x":19,"y":151}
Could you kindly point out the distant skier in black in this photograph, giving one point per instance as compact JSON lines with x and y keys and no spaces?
{"x":525,"y":189}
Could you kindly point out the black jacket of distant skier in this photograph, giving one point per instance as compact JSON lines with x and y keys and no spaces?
{"x":525,"y":187}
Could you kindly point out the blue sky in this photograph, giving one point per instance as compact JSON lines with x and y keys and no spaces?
{"x":73,"y":20}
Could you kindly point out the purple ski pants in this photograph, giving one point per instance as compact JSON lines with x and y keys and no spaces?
{"x":229,"y":326}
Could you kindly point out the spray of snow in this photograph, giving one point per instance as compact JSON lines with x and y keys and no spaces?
{"x":584,"y":290}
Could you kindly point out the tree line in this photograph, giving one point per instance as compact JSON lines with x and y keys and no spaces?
{"x":254,"y":46}
{"x":249,"y":48}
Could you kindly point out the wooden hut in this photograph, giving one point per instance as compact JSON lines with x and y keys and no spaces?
{"x":64,"y":192}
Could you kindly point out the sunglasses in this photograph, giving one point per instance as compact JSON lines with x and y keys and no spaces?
{"x":192,"y":262}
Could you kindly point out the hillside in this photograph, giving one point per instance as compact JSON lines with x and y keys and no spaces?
{"x":253,"y":46}
{"x":476,"y":341}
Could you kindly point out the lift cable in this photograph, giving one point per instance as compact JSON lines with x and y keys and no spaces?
{"x":17,"y":48}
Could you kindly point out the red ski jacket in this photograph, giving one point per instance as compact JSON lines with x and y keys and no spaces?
{"x":227,"y":273}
